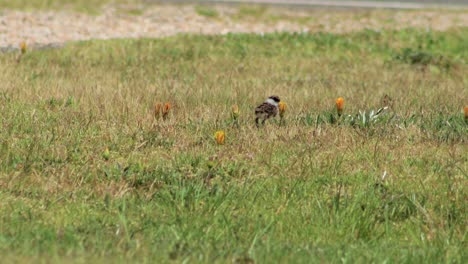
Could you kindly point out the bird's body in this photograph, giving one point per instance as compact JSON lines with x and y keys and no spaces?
{"x":267,"y":109}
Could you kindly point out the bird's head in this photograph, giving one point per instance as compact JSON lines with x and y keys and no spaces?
{"x":274,"y":100}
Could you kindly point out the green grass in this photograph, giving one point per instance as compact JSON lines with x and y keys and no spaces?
{"x":308,"y":190}
{"x":254,"y":11}
{"x":206,"y":11}
{"x":86,"y":6}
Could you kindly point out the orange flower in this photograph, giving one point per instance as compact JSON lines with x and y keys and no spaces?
{"x":282,"y":108}
{"x":219,"y":137}
{"x":466,"y":112}
{"x":339,"y":105}
{"x":157,"y":110}
{"x":23,"y":47}
{"x":235,"y":112}
{"x":165,"y":110}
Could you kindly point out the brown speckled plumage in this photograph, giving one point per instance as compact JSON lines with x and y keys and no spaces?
{"x":267,"y":109}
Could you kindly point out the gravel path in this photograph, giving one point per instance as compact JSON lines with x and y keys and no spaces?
{"x":54,"y":27}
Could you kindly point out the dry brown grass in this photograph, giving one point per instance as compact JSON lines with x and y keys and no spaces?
{"x":313,"y":176}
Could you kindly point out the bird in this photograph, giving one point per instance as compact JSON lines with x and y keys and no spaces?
{"x":267,"y":109}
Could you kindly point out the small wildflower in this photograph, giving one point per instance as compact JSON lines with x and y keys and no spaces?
{"x":339,"y":105}
{"x":165,"y":110}
{"x":23,"y":47}
{"x":219,"y":137}
{"x":235,"y":112}
{"x":466,"y":112}
{"x":106,"y":154}
{"x":282,"y":108}
{"x":157,"y":110}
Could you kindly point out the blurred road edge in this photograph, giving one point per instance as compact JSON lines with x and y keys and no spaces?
{"x":328,"y":3}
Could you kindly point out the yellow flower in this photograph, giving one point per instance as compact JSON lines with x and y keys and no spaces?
{"x":219,"y":137}
{"x":106,"y":154}
{"x":339,"y":105}
{"x":165,"y":110}
{"x":157,"y":110}
{"x":23,"y":47}
{"x":282,"y":108}
{"x":235,"y":112}
{"x":466,"y":112}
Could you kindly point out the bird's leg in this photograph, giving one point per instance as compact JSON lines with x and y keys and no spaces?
{"x":256,"y":121}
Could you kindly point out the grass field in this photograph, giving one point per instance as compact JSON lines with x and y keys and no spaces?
{"x":88,"y":174}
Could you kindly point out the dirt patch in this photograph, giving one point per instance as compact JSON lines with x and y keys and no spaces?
{"x":54,"y":27}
